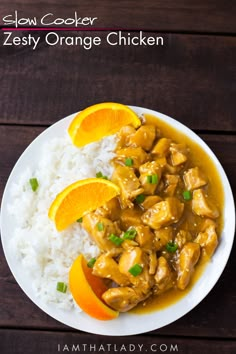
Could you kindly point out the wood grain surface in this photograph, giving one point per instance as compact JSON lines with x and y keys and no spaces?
{"x":41,"y":342}
{"x":191,"y":78}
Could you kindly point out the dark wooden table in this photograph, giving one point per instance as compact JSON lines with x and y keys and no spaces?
{"x":192,"y":78}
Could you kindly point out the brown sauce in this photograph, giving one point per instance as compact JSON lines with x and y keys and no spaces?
{"x":170,"y":297}
{"x":197,"y":157}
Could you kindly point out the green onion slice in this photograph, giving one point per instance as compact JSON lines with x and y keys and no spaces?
{"x":153,"y":179}
{"x":115,"y":239}
{"x":140,"y":198}
{"x":34,"y":184}
{"x":100,"y":175}
{"x":91,"y":262}
{"x":129,"y":161}
{"x":149,"y":179}
{"x":80,"y":220}
{"x":129,"y":234}
{"x":62,"y":287}
{"x":187,"y":195}
{"x":100,"y":226}
{"x":136,"y":269}
{"x":171,"y":247}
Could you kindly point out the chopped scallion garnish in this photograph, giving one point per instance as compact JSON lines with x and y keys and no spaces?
{"x":100,"y":175}
{"x":149,"y":179}
{"x":80,"y":220}
{"x":129,"y":234}
{"x":100,"y":226}
{"x":136,"y":269}
{"x":140,"y":198}
{"x":115,"y":239}
{"x":62,"y":287}
{"x":34,"y":184}
{"x":129,"y":161}
{"x":91,"y":262}
{"x":187,"y":195}
{"x":153,"y":179}
{"x":171,"y":247}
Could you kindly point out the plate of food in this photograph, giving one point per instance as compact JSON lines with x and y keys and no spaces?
{"x":117,"y":220}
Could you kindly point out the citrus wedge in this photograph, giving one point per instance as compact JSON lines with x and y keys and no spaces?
{"x":80,"y":198}
{"x":100,"y":120}
{"x":87,"y":290}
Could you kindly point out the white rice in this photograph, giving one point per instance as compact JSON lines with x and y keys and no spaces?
{"x":47,"y":255}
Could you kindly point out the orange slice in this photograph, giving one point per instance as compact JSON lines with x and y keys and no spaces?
{"x":87,"y":290}
{"x":95,"y":122}
{"x":80,"y":198}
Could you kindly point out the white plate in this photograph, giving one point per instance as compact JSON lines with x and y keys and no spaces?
{"x":125,"y":324}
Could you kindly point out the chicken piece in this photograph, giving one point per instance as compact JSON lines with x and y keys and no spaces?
{"x":131,"y":217}
{"x":208,"y":240}
{"x":100,"y":235}
{"x":171,"y":182}
{"x":162,"y":237}
{"x":123,"y":299}
{"x":161,"y":161}
{"x":163,"y":213}
{"x":178,"y":154}
{"x":172,"y":169}
{"x":150,"y":175}
{"x":149,"y":201}
{"x":164,"y":277}
{"x":143,"y":137}
{"x":170,"y":190}
{"x":202,"y":206}
{"x":206,"y":223}
{"x":113,"y":209}
{"x":129,"y":184}
{"x":188,"y":258}
{"x":110,"y":210}
{"x":160,"y":187}
{"x":106,"y":267}
{"x":116,"y":251}
{"x":161,"y":149}
{"x":182,"y":238}
{"x":137,"y":154}
{"x":171,"y":179}
{"x":152,"y":263}
{"x":124,"y":135}
{"x":130,"y":258}
{"x":194,"y":178}
{"x":144,"y":236}
{"x":127,"y":244}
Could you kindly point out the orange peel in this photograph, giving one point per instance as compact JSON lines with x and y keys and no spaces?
{"x":87,"y":290}
{"x":79,"y":198}
{"x":100,"y":120}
